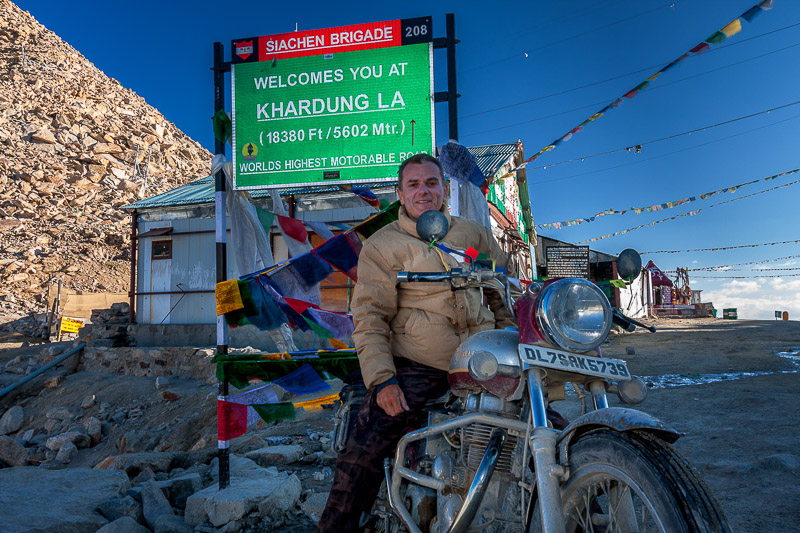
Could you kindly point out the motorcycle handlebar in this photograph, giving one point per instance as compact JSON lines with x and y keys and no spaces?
{"x":404,"y":277}
{"x":629,"y":324}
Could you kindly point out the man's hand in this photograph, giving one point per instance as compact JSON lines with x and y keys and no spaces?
{"x":391,"y":400}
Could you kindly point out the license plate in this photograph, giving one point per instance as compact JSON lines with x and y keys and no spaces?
{"x":574,"y":362}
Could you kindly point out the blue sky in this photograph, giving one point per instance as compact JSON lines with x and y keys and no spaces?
{"x":520,"y":69}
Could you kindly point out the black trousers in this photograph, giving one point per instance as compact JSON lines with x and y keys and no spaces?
{"x":359,"y":468}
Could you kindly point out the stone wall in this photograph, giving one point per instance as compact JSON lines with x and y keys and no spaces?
{"x":182,"y":362}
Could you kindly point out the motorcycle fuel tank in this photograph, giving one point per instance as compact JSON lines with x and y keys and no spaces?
{"x":489,"y":361}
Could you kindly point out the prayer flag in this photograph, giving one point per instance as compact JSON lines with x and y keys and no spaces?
{"x":733,"y":27}
{"x":700,"y":48}
{"x":267,"y":315}
{"x":228,"y":297}
{"x":221,"y":123}
{"x":293,"y":228}
{"x":379,"y":220}
{"x":340,"y":326}
{"x":304,"y":380}
{"x":231,"y":420}
{"x":266,"y":218}
{"x":716,"y":38}
{"x":342,"y":252}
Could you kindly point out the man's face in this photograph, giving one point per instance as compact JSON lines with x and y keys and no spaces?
{"x":423,"y":189}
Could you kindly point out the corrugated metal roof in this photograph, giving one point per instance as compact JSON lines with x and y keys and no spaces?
{"x":201,"y":191}
{"x":489,"y":158}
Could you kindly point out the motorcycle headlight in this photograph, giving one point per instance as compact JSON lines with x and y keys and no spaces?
{"x":574,"y":314}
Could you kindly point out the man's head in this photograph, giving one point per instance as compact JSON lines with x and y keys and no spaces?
{"x":421,"y":185}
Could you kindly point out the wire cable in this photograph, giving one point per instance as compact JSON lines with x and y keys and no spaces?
{"x":664,"y":155}
{"x":558,"y":93}
{"x":548,"y":45}
{"x":645,"y":143}
{"x":718,"y":248}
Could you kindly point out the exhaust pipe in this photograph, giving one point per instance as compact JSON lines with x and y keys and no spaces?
{"x":478,"y":487}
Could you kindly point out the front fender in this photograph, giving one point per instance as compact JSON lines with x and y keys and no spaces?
{"x":617,"y":418}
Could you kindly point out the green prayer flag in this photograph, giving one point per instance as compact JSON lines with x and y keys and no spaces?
{"x":272,"y":412}
{"x":383,"y":218}
{"x":222,"y":126}
{"x":266,"y":218}
{"x":716,"y":38}
{"x":239,"y":369}
{"x":320,"y":331}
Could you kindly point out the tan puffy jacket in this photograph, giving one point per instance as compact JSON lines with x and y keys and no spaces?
{"x":424,"y":322}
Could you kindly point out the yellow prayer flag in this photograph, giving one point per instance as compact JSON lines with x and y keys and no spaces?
{"x":317,"y":403}
{"x":734,"y":27}
{"x":228,"y":296}
{"x":336,"y":343}
{"x":654,"y":76}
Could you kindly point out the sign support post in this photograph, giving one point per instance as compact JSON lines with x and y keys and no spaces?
{"x":220,"y":67}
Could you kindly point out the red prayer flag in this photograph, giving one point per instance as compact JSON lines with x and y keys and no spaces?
{"x":231,"y":420}
{"x":293,"y":228}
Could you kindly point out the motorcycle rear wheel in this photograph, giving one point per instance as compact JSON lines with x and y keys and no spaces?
{"x":624,"y":482}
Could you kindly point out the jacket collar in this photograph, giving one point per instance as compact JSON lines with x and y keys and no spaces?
{"x":410,"y":226}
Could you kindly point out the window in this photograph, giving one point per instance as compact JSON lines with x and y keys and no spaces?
{"x":162,"y":250}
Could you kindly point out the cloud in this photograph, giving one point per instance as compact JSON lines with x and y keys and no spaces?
{"x":757,"y":299}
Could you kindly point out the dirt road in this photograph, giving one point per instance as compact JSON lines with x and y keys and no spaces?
{"x":742,"y":431}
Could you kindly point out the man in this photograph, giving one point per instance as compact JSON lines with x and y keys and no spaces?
{"x":406,"y":334}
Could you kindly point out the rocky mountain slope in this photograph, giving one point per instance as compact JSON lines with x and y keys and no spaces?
{"x":75,"y":146}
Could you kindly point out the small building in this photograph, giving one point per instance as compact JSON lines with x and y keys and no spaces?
{"x":174,"y":263}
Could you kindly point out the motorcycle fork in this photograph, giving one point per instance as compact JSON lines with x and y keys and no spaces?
{"x":543,"y":449}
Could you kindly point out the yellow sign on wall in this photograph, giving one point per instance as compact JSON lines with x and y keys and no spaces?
{"x":71,"y":325}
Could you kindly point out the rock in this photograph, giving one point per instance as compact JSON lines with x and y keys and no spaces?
{"x":12,"y":453}
{"x":72,"y":495}
{"x":12,"y":420}
{"x":276,"y":455}
{"x":783,"y":462}
{"x":58,"y":413}
{"x":138,"y":440}
{"x":124,"y":524}
{"x":80,"y":439}
{"x":94,"y":428}
{"x":314,"y":505}
{"x":88,"y":402}
{"x":54,"y":382}
{"x":176,"y":490}
{"x":116,"y":508}
{"x":28,"y":436}
{"x":133,"y":463}
{"x":630,"y":350}
{"x":43,"y":136}
{"x":282,"y":500}
{"x":169,"y":396}
{"x":66,"y":452}
{"x":157,"y":511}
{"x":242,"y":497}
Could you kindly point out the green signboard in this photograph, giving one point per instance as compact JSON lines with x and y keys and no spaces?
{"x":330,"y":118}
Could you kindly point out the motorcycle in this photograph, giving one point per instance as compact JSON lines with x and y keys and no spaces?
{"x":488,"y":460}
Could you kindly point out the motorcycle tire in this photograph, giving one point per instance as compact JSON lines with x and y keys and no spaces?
{"x":634,"y":481}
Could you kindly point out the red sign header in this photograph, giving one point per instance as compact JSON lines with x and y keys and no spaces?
{"x":333,"y":40}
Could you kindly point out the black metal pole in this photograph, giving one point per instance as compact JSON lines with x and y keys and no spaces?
{"x":222,"y":263}
{"x":452,"y":93}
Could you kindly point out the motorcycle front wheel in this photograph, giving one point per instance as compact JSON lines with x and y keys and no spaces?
{"x":634,"y":482}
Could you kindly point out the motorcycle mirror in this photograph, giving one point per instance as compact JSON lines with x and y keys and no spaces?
{"x":432,"y":226}
{"x":629,"y":264}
